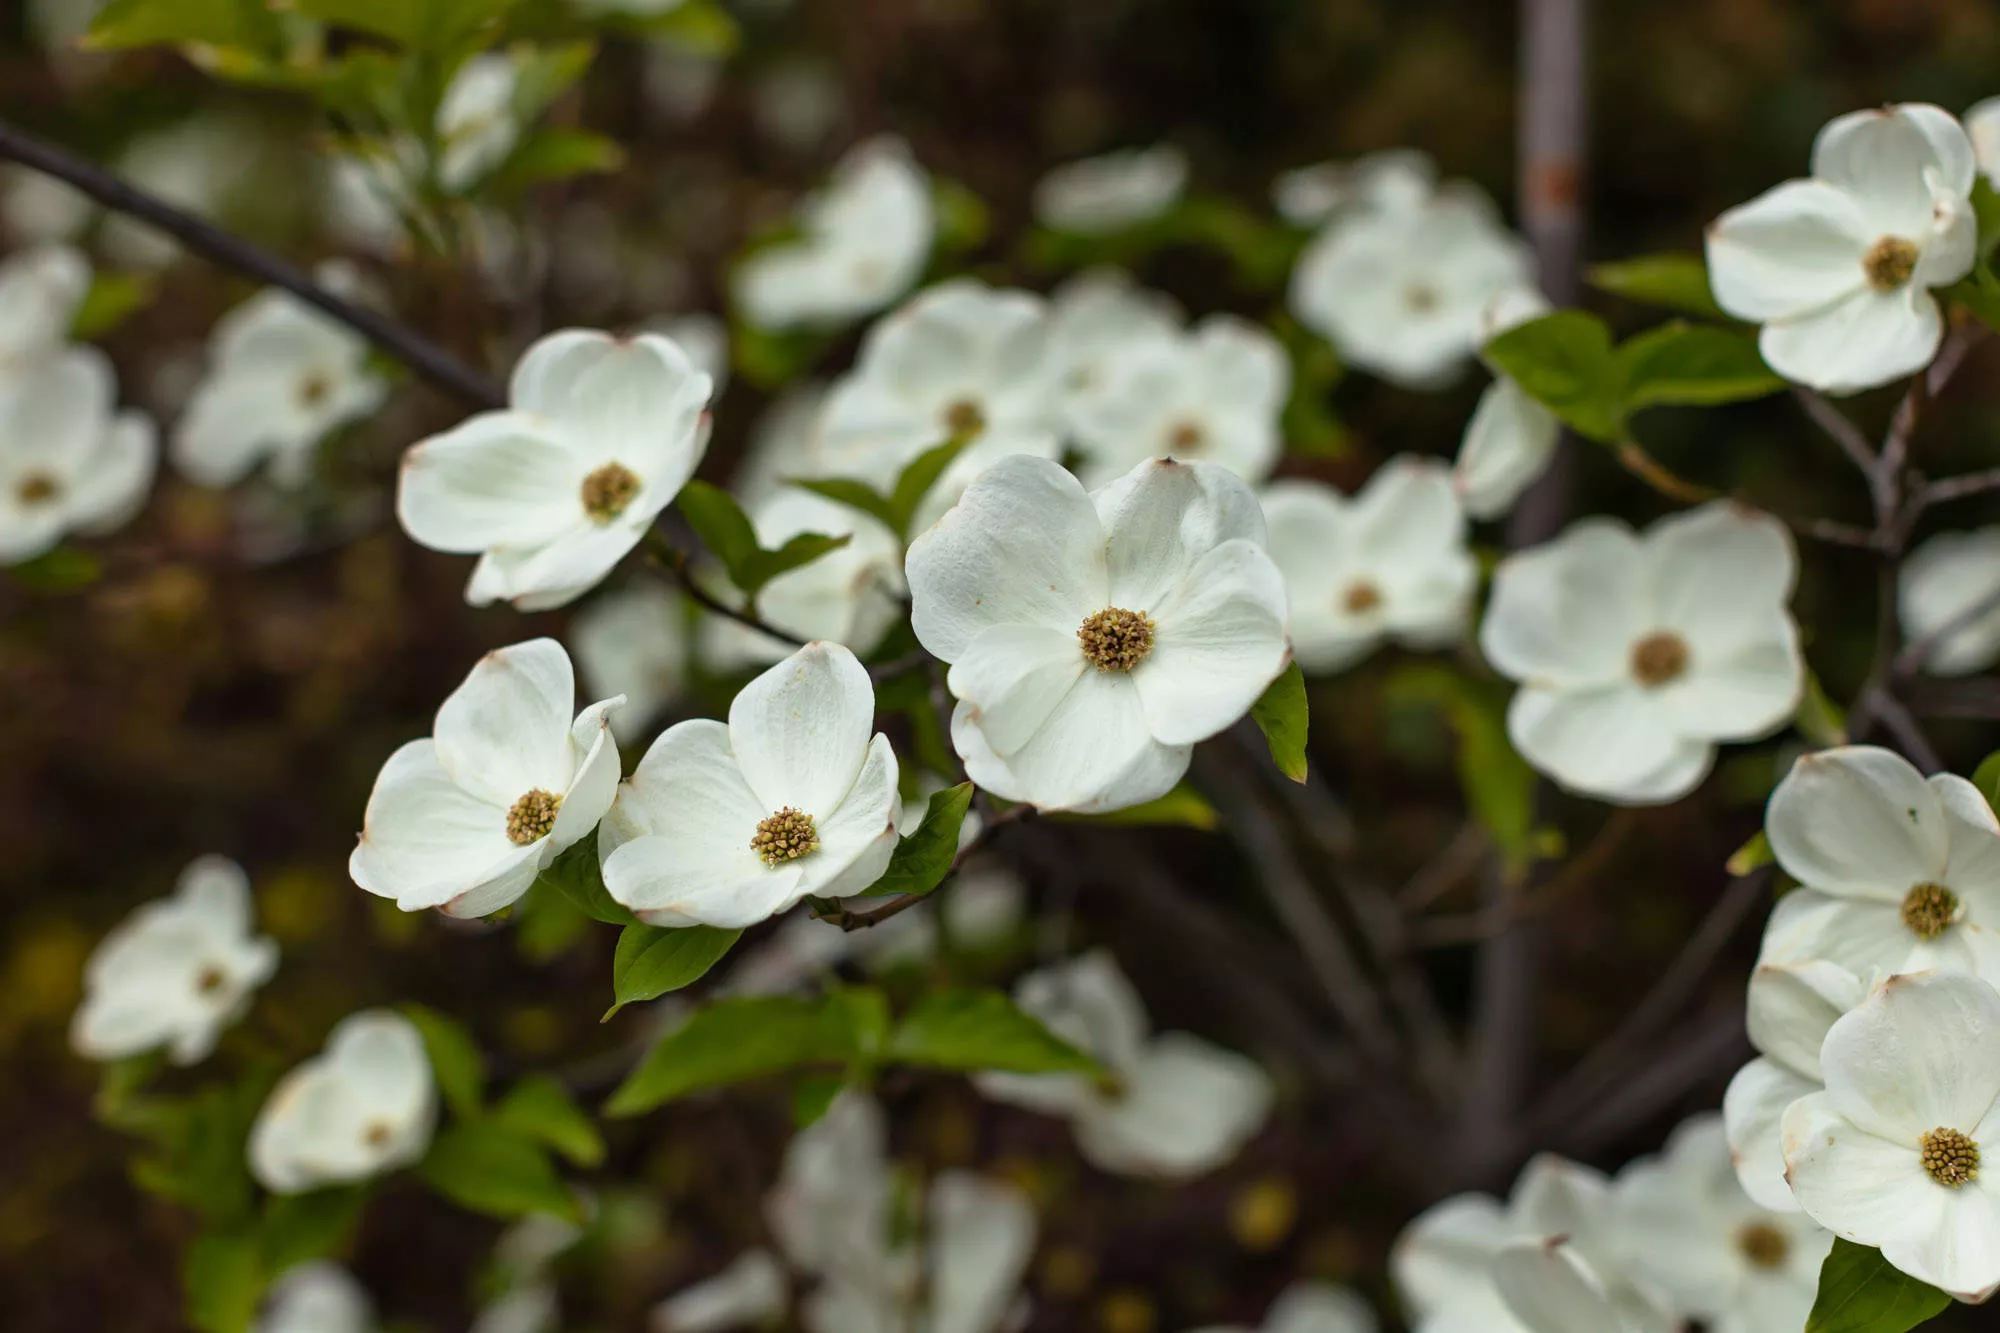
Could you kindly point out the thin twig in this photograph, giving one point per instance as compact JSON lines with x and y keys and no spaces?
{"x":1705,"y":1055}
{"x":1839,"y":427}
{"x":1908,"y":732}
{"x":1445,"y":871}
{"x":1573,"y":875}
{"x":1959,"y":487}
{"x":233,"y":252}
{"x":670,"y":558}
{"x":850,"y":919}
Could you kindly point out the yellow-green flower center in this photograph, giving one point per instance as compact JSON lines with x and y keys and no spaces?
{"x":607,"y":491}
{"x":1929,"y":910}
{"x":37,"y":488}
{"x":1889,"y":263}
{"x":1764,"y":1245}
{"x":965,"y":420}
{"x":784,"y":836}
{"x":532,"y":817}
{"x":1950,"y":1157}
{"x":1361,"y":597}
{"x":1659,"y":658}
{"x":1115,"y":639}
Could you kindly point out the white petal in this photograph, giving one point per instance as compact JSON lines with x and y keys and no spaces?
{"x":1012,"y":677}
{"x":1593,"y":575}
{"x":113,"y":489}
{"x":1319,"y":1307}
{"x":1161,"y":518}
{"x":1095,"y":753}
{"x":1881,"y":156}
{"x":636,"y":401}
{"x":541,"y":578}
{"x":1721,"y":576}
{"x":1613,"y":742}
{"x":1795,"y":248}
{"x":1507,"y":444}
{"x":1793,"y":1004}
{"x":1754,"y":1109}
{"x":1090,"y":1003}
{"x":1923,"y":1051}
{"x":1860,"y":341}
{"x":981,"y":1234}
{"x":857,"y":839}
{"x":497,"y":480}
{"x":1185,"y":1107}
{"x":425,"y":841}
{"x":1861,"y":1187}
{"x":1944,"y":580}
{"x":1548,"y":1293}
{"x":1219,"y":641}
{"x":505,"y":731}
{"x":1442,"y":1257}
{"x":1857,"y":821}
{"x":595,"y":785}
{"x":751,"y":1291}
{"x":800,"y":730}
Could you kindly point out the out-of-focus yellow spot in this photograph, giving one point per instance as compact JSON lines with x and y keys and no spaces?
{"x":43,"y":977}
{"x":1263,"y":1213}
{"x":533,"y":1029}
{"x":393,"y":926}
{"x":1067,"y":1272}
{"x":1127,"y":1311}
{"x":295,"y":904}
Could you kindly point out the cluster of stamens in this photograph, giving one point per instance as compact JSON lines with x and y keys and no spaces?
{"x":314,"y":388}
{"x":36,"y":488}
{"x":784,"y":836}
{"x":1929,"y":910}
{"x":1420,"y":297}
{"x":1659,"y":658}
{"x":1763,"y":1245}
{"x":1950,"y":1157}
{"x":378,"y":1134}
{"x":1115,"y":639}
{"x":1889,"y":263}
{"x":1186,"y":438}
{"x":964,"y":419}
{"x":608,"y":490}
{"x":211,"y":980}
{"x":532,"y":817}
{"x":1361,"y":597}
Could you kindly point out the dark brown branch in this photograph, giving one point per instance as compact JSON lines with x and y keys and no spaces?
{"x":1839,"y":427}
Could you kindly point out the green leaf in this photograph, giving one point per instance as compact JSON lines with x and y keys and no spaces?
{"x":1565,"y":362}
{"x":854,"y":494}
{"x":199,"y":1150}
{"x":700,"y":27}
{"x":1673,"y":282}
{"x":725,"y":530}
{"x":1752,"y":855}
{"x":1183,"y":806}
{"x":654,"y":960}
{"x":812,"y":1095}
{"x":982,"y":1030}
{"x":542,"y":1109}
{"x":455,"y":1058}
{"x":495,"y":1169}
{"x":399,"y":21}
{"x":554,"y":154}
{"x":128,"y":23}
{"x":299,"y":1227}
{"x":576,"y":875}
{"x":1986,"y":209}
{"x":224,"y":1280}
{"x":734,"y":1040}
{"x":1695,"y":365}
{"x":1281,"y":714}
{"x":765,"y":565}
{"x":111,"y":298}
{"x":897,"y":510}
{"x":1859,"y":1292}
{"x":922,"y":860}
{"x":1819,"y":719}
{"x":963,"y":220}
{"x":546,"y":73}
{"x":1987,"y":778}
{"x":1498,"y":784}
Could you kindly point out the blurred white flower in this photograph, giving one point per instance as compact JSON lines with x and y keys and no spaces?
{"x":867,"y":237}
{"x":1982,"y":127}
{"x":1099,"y":195}
{"x":70,"y":461}
{"x":1547,"y":1287}
{"x":1688,"y":1229}
{"x":1095,"y":637}
{"x":633,"y":642}
{"x":1392,"y":179}
{"x":797,"y":100}
{"x":1511,"y":438}
{"x":365,"y":1105}
{"x":1390,"y":562}
{"x":679,"y":83}
{"x":1792,"y":1004}
{"x":1314,"y":1307}
{"x":35,"y":208}
{"x":1890,"y":1154}
{"x":1896,"y":873}
{"x":1097,"y":319}
{"x":1181,"y":1106}
{"x":176,"y":971}
{"x":40,"y":290}
{"x":1838,"y":269}
{"x":599,"y":436}
{"x":728,"y":825}
{"x":476,"y":121}
{"x":1400,"y":291}
{"x":1215,"y":393}
{"x":316,"y":1297}
{"x":781,"y":443}
{"x":704,"y":338}
{"x":464,"y":819}
{"x":1637,"y":654}
{"x":749,"y":1293}
{"x":531,"y":1308}
{"x":281,"y":377}
{"x":1943,"y":586}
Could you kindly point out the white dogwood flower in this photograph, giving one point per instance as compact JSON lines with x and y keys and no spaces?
{"x":1400,"y":291}
{"x":1637,"y":654}
{"x":316,"y":1297}
{"x":1839,"y":268}
{"x":1688,"y":1229}
{"x":1389,"y":562}
{"x":476,"y":122}
{"x":1094,"y":637}
{"x":634,"y":643}
{"x":868,"y":234}
{"x":1394,"y":178}
{"x":281,"y":377}
{"x":1180,"y":1106}
{"x":40,"y":290}
{"x":1511,"y":438}
{"x":1982,"y":127}
{"x":1949,"y":588}
{"x":70,"y":461}
{"x":1792,"y":1004}
{"x":1313,"y":1307}
{"x":600,"y":435}
{"x":1890,"y":1154}
{"x":1548,"y":1288}
{"x":1100,"y":195}
{"x":728,"y":825}
{"x":749,"y":1293}
{"x":365,"y":1105}
{"x":176,"y":971}
{"x":1097,"y":319}
{"x":1215,"y":393}
{"x":465,"y":818}
{"x":1896,"y":873}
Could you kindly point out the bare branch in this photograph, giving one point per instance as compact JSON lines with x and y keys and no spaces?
{"x":1839,"y":427}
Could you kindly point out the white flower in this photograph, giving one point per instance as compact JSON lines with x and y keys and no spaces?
{"x":1791,"y":1007}
{"x":727,"y":825}
{"x":281,"y":377}
{"x":1181,"y":1106}
{"x":1889,"y":1155}
{"x":1943,"y":581}
{"x":1096,"y":320}
{"x":175,"y":972}
{"x":1637,"y":654}
{"x":867,"y":237}
{"x":830,"y":1207}
{"x":365,"y":1105}
{"x":1511,"y":438}
{"x":476,"y":121}
{"x":1099,"y":195}
{"x":1838,"y":269}
{"x":1399,"y":291}
{"x":1314,"y":1307}
{"x":599,"y":437}
{"x":1548,"y":1288}
{"x":1095,"y":637}
{"x":747,"y":1294}
{"x":633,"y":642}
{"x":526,"y":1309}
{"x":704,"y":338}
{"x":1688,"y":1228}
{"x":35,"y":208}
{"x":316,"y":1297}
{"x":70,"y":461}
{"x":1390,"y":562}
{"x":40,"y":290}
{"x":1215,"y":393}
{"x":1896,"y":873}
{"x":1982,"y":127}
{"x":464,"y":819}
{"x":1393,"y":179}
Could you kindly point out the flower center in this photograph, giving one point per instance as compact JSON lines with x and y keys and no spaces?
{"x":1763,"y":1245}
{"x":1361,"y":597}
{"x":1889,"y":263}
{"x":314,"y":388}
{"x":965,"y":420}
{"x":211,"y":980}
{"x":1115,"y":639}
{"x":1929,"y":910}
{"x":1186,"y":438}
{"x":532,"y":817}
{"x":1659,"y":658}
{"x":378,"y":1134}
{"x":1420,"y":297}
{"x":37,"y":488}
{"x":1951,"y":1158}
{"x":608,"y":490}
{"x":785,"y":836}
